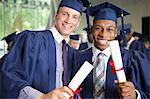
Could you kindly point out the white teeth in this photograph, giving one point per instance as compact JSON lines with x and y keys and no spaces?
{"x":104,"y":41}
{"x":67,"y":26}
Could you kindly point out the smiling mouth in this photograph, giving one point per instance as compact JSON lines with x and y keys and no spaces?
{"x":66,"y":26}
{"x":102,"y":40}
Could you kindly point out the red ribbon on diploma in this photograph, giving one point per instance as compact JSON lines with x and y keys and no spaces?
{"x":76,"y":92}
{"x":113,"y":67}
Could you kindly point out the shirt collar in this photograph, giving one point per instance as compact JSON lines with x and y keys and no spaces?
{"x":57,"y":36}
{"x":97,"y":51}
{"x":129,"y":42}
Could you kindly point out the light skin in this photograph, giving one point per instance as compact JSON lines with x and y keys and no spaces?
{"x":128,"y":37}
{"x":104,"y":31}
{"x":66,"y":22}
{"x":57,"y":93}
{"x":147,"y":44}
{"x":74,"y":43}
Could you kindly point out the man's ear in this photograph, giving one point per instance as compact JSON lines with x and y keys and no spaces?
{"x":78,"y":24}
{"x":116,"y":32}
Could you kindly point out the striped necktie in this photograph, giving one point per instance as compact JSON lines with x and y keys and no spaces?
{"x":65,"y":65}
{"x":99,"y":76}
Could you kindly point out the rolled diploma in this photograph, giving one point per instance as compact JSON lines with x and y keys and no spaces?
{"x":80,"y":75}
{"x":117,"y":59}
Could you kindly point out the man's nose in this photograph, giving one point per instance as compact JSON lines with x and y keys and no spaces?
{"x":68,"y":19}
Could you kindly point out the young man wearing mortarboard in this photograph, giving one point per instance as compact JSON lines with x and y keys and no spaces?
{"x":134,"y":42}
{"x":9,"y":40}
{"x":104,"y":85}
{"x":88,"y":44}
{"x":34,"y":67}
{"x":74,"y":41}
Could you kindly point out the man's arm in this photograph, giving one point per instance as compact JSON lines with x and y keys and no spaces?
{"x":29,"y":93}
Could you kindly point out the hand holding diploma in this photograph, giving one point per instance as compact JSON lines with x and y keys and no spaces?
{"x":80,"y":76}
{"x":67,"y":92}
{"x":127,"y":88}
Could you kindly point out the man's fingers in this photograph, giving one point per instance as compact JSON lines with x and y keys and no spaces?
{"x":66,"y":95}
{"x":68,"y":91}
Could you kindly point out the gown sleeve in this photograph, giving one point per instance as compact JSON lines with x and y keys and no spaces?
{"x":18,"y":65}
{"x":138,"y":71}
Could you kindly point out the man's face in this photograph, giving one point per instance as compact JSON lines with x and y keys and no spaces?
{"x":10,"y":44}
{"x":128,"y":36}
{"x":103,"y":31}
{"x":74,"y":43}
{"x":67,"y":20}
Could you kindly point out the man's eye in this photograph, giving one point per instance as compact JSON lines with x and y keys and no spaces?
{"x":64,"y":14}
{"x":75,"y":17}
{"x":111,"y":30}
{"x":98,"y":29}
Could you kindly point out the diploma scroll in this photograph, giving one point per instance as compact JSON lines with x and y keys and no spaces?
{"x":80,"y":75}
{"x":117,"y":59}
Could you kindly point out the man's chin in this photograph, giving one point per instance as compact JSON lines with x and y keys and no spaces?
{"x":66,"y":34}
{"x":101,"y":47}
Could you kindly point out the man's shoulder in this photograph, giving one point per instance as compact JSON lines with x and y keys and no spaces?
{"x":33,"y":34}
{"x":85,"y":51}
{"x":133,"y":55}
{"x":84,"y":54}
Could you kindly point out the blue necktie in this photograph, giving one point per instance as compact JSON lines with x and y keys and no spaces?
{"x":65,"y":65}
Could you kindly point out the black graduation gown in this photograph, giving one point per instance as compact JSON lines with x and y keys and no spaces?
{"x":32,"y":62}
{"x":136,"y":67}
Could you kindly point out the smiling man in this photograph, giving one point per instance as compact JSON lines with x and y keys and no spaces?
{"x":101,"y":83}
{"x":37,"y":67}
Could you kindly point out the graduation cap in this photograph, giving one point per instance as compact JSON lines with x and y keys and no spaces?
{"x":108,"y":11}
{"x":74,"y":37}
{"x":86,"y":3}
{"x":10,"y":37}
{"x":127,"y":28}
{"x":137,"y":34}
{"x":74,"y":4}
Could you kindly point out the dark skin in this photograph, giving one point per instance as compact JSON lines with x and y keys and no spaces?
{"x":104,"y":31}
